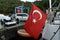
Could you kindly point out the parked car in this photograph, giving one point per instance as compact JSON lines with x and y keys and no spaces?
{"x":6,"y":20}
{"x":10,"y":23}
{"x":57,"y":18}
{"x":4,"y":17}
{"x":21,"y":16}
{"x":57,"y":13}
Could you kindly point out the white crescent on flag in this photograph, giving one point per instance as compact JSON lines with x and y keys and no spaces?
{"x":38,"y":13}
{"x":34,"y":20}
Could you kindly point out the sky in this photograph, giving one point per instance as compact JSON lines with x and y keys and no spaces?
{"x":28,"y":0}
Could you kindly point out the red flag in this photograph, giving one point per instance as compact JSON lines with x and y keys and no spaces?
{"x":35,"y":22}
{"x":18,"y":10}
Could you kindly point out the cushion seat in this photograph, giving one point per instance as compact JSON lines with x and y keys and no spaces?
{"x":23,"y":33}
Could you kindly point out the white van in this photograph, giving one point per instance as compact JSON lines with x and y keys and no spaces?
{"x":21,"y":16}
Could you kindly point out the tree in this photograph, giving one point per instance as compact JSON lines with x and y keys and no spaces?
{"x":42,"y":4}
{"x":7,"y":6}
{"x":55,"y":3}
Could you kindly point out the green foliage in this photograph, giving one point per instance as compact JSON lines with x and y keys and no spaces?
{"x":7,"y":6}
{"x":56,"y":3}
{"x":42,"y":4}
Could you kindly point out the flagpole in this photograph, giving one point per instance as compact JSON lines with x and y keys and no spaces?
{"x":50,"y":6}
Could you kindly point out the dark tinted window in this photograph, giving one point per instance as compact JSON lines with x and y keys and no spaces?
{"x":21,"y":15}
{"x":25,"y":11}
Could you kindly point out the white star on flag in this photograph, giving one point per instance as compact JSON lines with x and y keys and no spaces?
{"x":34,"y":21}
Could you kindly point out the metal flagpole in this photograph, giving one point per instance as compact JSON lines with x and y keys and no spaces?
{"x":50,"y":6}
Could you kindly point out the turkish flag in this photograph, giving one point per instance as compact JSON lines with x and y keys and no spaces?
{"x":35,"y":22}
{"x":18,"y":10}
